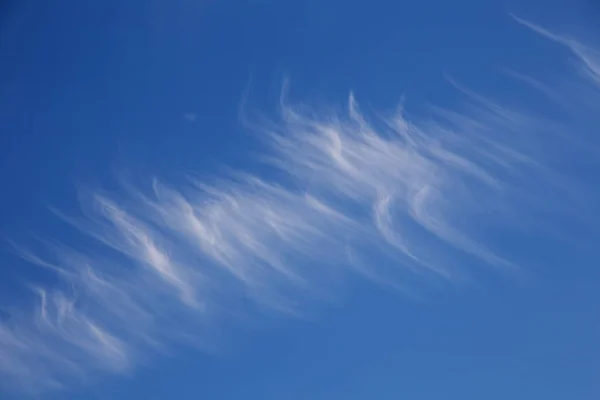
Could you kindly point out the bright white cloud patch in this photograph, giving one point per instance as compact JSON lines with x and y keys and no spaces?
{"x":168,"y":260}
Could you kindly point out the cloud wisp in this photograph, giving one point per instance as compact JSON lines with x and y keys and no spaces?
{"x":164,"y":263}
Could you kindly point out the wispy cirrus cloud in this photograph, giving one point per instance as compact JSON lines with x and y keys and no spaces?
{"x":169,"y":261}
{"x":587,"y":57}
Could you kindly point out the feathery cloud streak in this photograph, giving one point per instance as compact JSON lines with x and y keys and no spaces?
{"x":169,"y":261}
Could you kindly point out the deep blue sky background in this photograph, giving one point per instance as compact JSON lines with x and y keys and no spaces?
{"x":87,"y":87}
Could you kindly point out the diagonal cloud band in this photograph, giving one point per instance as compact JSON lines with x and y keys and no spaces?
{"x":421,"y":193}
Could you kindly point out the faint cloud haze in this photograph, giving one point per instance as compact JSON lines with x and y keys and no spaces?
{"x":190,"y":116}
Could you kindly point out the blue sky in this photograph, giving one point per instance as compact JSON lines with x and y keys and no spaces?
{"x":328,"y":199}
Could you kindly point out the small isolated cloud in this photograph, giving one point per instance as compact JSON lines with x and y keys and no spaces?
{"x":190,"y":116}
{"x":418,"y":194}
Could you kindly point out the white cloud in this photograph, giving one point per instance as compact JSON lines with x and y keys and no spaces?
{"x":169,"y":261}
{"x":587,"y":57}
